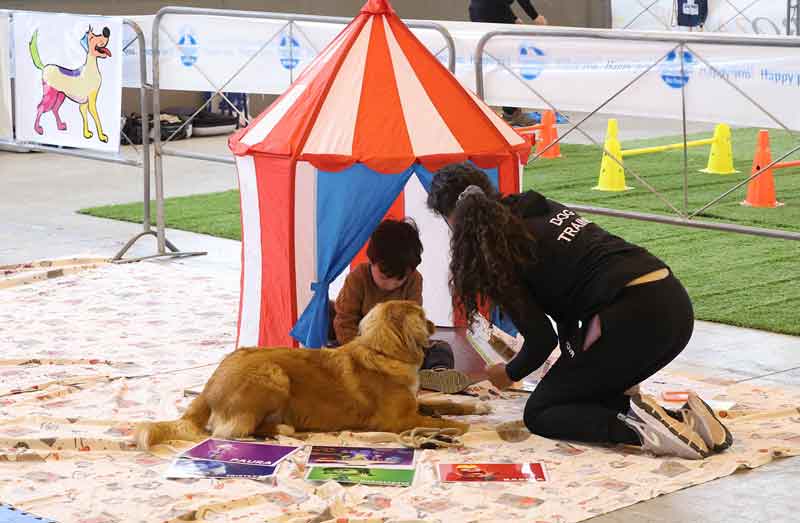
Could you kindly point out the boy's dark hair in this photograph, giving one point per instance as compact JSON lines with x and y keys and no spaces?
{"x":395,"y":247}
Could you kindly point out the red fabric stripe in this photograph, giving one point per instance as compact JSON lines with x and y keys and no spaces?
{"x":381,"y":139}
{"x":474,"y":131}
{"x":290,"y":133}
{"x":508,"y":176}
{"x":292,"y":251}
{"x":275,"y":179}
{"x":396,"y":212}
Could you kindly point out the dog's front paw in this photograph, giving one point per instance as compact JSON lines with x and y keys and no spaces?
{"x":284,"y":430}
{"x":88,"y":134}
{"x":62,"y":126}
{"x":483,"y":408}
{"x":38,"y":129}
{"x":102,"y":137}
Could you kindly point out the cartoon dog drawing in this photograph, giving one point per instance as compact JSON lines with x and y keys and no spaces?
{"x":81,"y":85}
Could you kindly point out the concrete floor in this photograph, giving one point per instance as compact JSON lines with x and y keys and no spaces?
{"x":40,"y":193}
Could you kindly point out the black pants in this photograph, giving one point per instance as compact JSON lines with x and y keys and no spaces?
{"x":438,"y":356}
{"x":645,"y":328}
{"x":476,"y":15}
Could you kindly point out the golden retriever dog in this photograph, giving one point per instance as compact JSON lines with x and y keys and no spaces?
{"x":369,"y":384}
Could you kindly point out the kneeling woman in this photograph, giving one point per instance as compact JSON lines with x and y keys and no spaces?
{"x":621,"y":315}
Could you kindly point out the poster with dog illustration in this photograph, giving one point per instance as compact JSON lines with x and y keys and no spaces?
{"x":68,"y":80}
{"x":6,"y":132}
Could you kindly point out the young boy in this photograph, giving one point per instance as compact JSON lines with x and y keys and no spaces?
{"x":394,"y":252}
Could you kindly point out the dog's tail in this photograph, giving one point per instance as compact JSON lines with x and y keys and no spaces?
{"x":33,"y":46}
{"x":190,"y":427}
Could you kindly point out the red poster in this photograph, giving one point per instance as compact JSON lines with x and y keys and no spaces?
{"x":458,"y":472}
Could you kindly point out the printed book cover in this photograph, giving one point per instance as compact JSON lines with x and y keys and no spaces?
{"x":361,"y":456}
{"x":183,"y":468}
{"x":468,"y":472}
{"x":243,"y":452}
{"x":362,"y":475}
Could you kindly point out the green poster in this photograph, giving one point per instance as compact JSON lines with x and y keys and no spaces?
{"x":361,"y":475}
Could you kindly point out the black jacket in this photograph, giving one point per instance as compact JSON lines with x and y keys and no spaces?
{"x":579,"y":268}
{"x":499,"y":11}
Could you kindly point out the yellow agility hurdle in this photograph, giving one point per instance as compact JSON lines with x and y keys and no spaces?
{"x":612,"y":170}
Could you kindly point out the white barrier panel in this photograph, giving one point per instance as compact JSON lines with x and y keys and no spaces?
{"x":578,"y":74}
{"x":573,"y":73}
{"x":767,"y":17}
{"x":193,"y":47}
{"x":6,"y":130}
{"x":68,"y":74}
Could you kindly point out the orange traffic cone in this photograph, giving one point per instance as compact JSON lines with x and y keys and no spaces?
{"x":761,"y":189}
{"x":549,"y":134}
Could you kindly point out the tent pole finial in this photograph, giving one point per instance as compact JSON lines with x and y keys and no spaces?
{"x":378,"y":7}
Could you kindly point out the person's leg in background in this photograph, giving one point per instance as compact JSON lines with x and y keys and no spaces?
{"x":513,"y":115}
{"x":439,"y":356}
{"x":645,"y":328}
{"x":332,"y":341}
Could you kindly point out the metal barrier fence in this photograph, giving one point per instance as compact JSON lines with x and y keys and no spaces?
{"x":160,"y":151}
{"x":682,"y":42}
{"x":142,"y":160}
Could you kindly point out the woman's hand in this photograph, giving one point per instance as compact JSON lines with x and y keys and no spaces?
{"x":540,"y":20}
{"x":497,"y":375}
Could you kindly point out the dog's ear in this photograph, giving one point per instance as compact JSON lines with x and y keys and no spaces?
{"x":390,"y":328}
{"x":411,"y":326}
{"x":382,"y":322}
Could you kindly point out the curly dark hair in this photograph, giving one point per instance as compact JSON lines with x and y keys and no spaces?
{"x":489,"y":245}
{"x":395,"y":247}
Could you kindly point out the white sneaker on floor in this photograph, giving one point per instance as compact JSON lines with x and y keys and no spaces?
{"x":699,"y":416}
{"x":662,"y":434}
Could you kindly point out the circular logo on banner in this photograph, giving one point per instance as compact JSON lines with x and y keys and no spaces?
{"x":289,"y":51}
{"x":671,"y":69}
{"x":187,"y":43}
{"x":531,"y":61}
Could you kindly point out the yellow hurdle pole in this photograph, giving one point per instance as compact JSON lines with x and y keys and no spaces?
{"x":662,"y":148}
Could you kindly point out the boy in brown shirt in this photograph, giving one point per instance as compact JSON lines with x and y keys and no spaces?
{"x":394,"y":252}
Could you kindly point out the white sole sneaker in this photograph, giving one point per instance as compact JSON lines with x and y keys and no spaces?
{"x":662,"y":434}
{"x":448,"y":381}
{"x":702,"y":419}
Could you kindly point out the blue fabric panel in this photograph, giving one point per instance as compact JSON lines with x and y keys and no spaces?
{"x":350,"y":204}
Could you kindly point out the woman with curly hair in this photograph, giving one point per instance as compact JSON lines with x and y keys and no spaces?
{"x":620,"y":313}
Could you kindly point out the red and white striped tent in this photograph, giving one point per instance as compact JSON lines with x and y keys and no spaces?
{"x":355,"y":137}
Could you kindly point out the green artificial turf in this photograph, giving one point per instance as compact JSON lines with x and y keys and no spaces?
{"x":736,"y":279}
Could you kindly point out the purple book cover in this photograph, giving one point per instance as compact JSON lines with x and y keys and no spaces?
{"x":244,"y":452}
{"x":361,"y":456}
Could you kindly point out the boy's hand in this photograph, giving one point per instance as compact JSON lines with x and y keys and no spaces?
{"x":497,"y":375}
